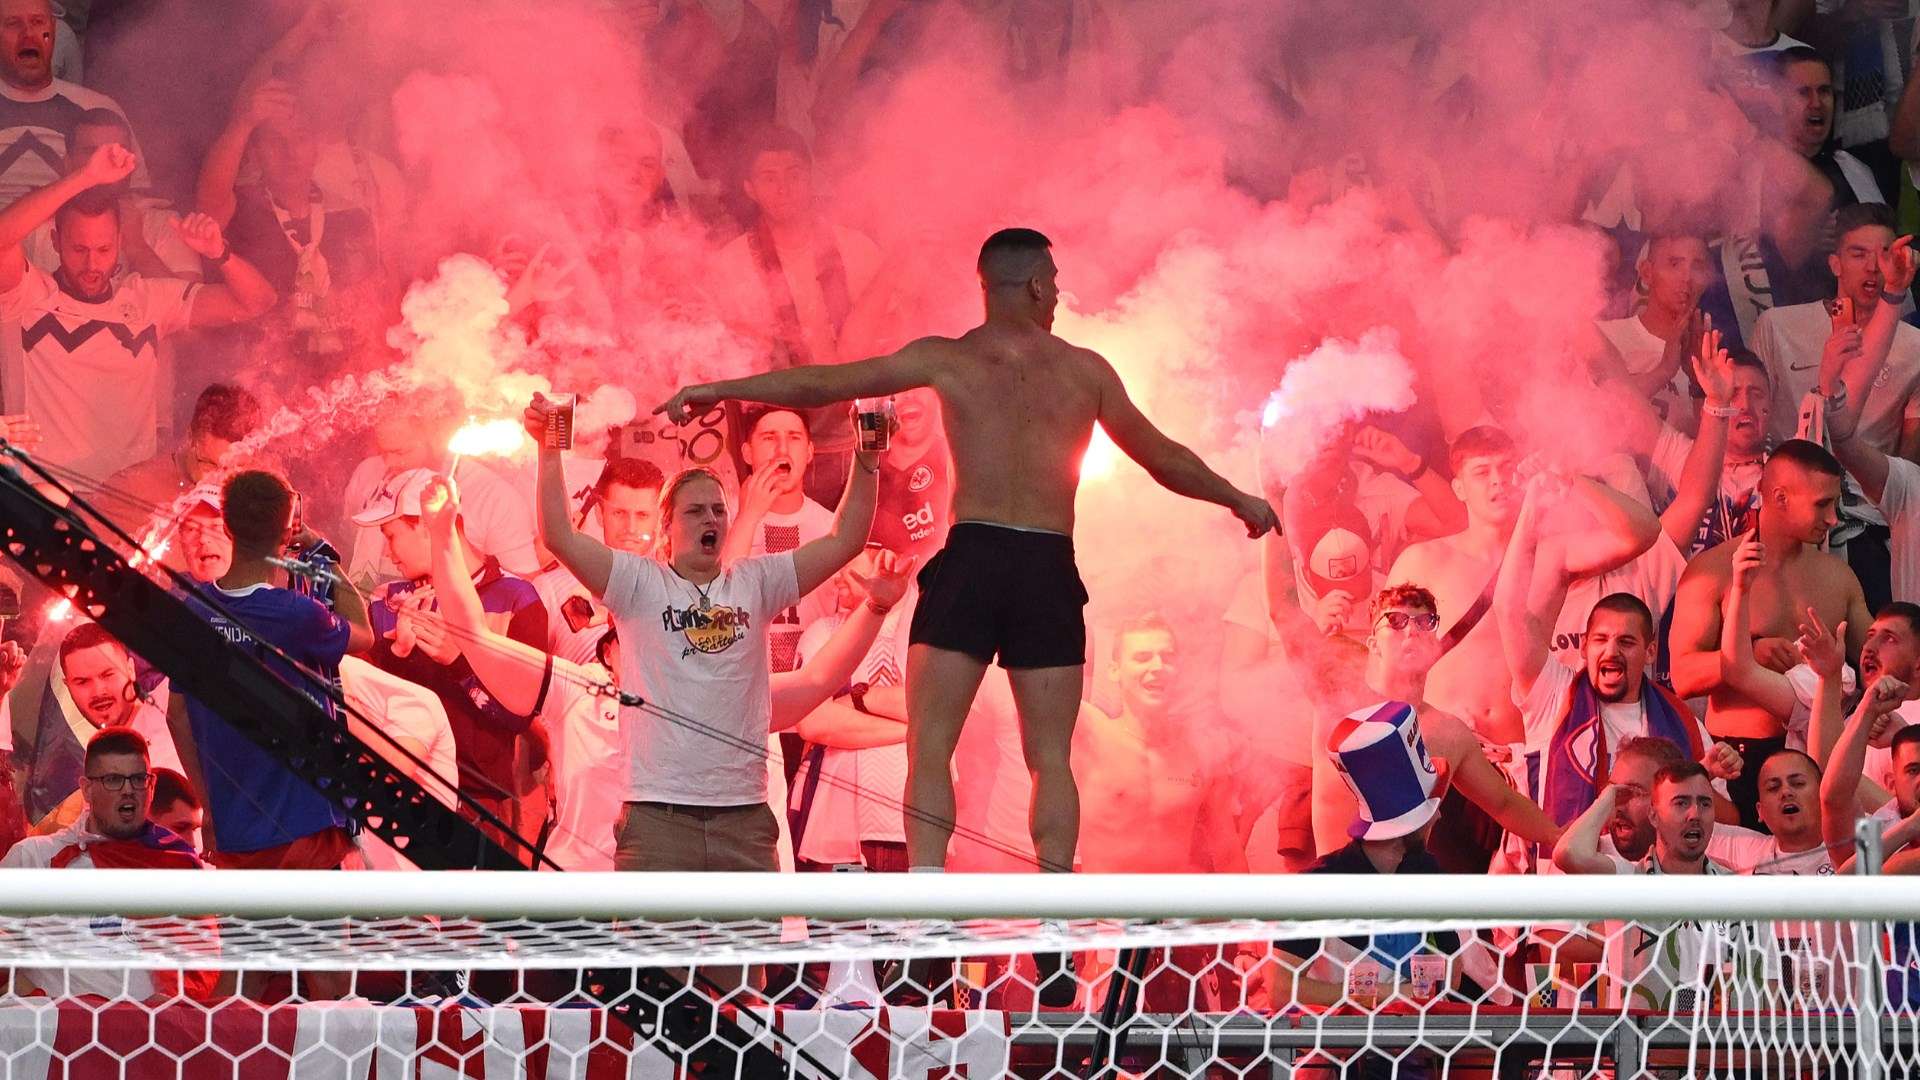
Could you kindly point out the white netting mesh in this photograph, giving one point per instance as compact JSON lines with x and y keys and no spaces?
{"x":1791,"y":995}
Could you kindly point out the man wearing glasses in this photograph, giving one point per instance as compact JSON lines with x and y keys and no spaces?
{"x":115,"y":833}
{"x":1402,"y":647}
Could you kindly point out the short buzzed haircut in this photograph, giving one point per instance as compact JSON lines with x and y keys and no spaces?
{"x":1140,"y":624}
{"x":93,"y":202}
{"x":1663,"y":753}
{"x":1782,"y":59}
{"x":258,"y":506}
{"x":1011,"y":257}
{"x":88,"y":635}
{"x":1905,"y":738}
{"x":116,"y":740}
{"x":1624,"y":603}
{"x":1806,"y":456}
{"x":1482,"y":441}
{"x":1681,"y":772}
{"x":1744,"y":357}
{"x":1788,"y":751}
{"x":637,"y":473}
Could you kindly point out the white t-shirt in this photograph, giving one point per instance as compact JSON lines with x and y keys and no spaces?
{"x":408,"y":710}
{"x":1791,"y":340}
{"x":107,"y":932}
{"x":1541,"y":710}
{"x":1815,"y":953}
{"x":1805,"y":685}
{"x":1649,"y":962}
{"x":498,"y":519}
{"x":741,"y":292}
{"x":1900,"y":505}
{"x":1641,"y":350}
{"x":703,"y":660}
{"x":557,"y":588}
{"x":1653,"y":576}
{"x":589,"y":769}
{"x":785,"y":532}
{"x":744,"y":298}
{"x":1745,"y":851}
{"x":89,"y":372}
{"x":860,"y":791}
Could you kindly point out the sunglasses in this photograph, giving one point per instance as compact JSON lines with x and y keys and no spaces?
{"x":1426,"y":621}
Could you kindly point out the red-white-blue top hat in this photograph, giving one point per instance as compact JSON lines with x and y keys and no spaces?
{"x":1380,"y":754}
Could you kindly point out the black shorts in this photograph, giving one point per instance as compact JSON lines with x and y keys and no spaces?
{"x":1011,"y":593}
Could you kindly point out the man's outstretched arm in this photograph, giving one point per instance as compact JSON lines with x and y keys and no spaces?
{"x":587,"y":559}
{"x":814,"y":385}
{"x":1172,"y":465}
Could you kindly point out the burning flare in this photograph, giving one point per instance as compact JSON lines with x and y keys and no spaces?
{"x":488,"y":438}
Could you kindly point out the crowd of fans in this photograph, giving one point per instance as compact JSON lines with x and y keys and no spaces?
{"x":1695,"y":658}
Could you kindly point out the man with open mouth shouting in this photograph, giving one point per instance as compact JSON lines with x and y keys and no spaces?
{"x":693,"y":642}
{"x":38,"y":112}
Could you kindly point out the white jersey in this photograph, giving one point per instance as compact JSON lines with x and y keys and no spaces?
{"x":89,"y":371}
{"x":1668,"y":966}
{"x":589,"y":766}
{"x":34,"y":127}
{"x":498,"y":520}
{"x":860,"y":792}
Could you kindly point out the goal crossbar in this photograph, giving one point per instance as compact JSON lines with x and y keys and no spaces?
{"x":723,"y":897}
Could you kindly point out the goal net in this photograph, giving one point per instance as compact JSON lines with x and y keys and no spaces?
{"x":125,"y":973}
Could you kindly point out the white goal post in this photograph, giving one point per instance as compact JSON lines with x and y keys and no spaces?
{"x":1171,"y":975}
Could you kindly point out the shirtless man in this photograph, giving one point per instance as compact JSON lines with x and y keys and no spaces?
{"x":1800,"y":498}
{"x":1019,"y":406}
{"x":1156,"y":790}
{"x":1469,"y":680}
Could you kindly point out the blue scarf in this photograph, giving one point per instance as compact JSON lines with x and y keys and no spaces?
{"x":1576,"y":758}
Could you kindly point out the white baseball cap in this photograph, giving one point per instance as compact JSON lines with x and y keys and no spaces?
{"x":398,"y":496}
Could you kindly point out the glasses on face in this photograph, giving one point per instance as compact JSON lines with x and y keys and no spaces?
{"x":118,"y":781}
{"x":1425,"y":621}
{"x":193,"y":530}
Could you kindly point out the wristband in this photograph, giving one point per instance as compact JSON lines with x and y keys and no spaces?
{"x":226,"y":253}
{"x":1894,"y":298}
{"x":879,"y":609}
{"x":1719,"y":412}
{"x":1838,"y":399}
{"x":858,"y":695}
